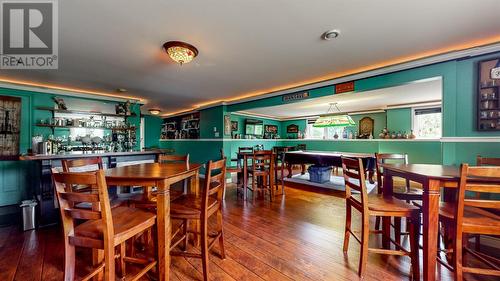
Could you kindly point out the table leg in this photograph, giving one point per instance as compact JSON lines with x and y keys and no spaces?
{"x":371,"y":173}
{"x":386,"y":221}
{"x":195,"y":189}
{"x":245,"y":177}
{"x":289,"y":167}
{"x":163,"y":224}
{"x":430,"y":213}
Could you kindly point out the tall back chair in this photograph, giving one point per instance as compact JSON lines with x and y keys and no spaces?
{"x":82,"y":164}
{"x":103,"y":228}
{"x":191,"y":207}
{"x":262,"y":169}
{"x":375,"y":205}
{"x":474,"y":216}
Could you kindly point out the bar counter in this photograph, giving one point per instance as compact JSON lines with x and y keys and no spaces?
{"x":69,"y":155}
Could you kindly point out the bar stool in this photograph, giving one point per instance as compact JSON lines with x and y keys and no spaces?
{"x":473,"y":216}
{"x":376,"y":205}
{"x":233,"y":169}
{"x":262,"y":169}
{"x":192,"y":207}
{"x":104,"y":228}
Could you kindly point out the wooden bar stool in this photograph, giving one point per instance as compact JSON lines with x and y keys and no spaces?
{"x":473,"y":216}
{"x":262,"y":169}
{"x":233,"y":169}
{"x":405,"y":193}
{"x":375,"y":205}
{"x":192,"y":207}
{"x":104,"y":228}
{"x":88,"y":164}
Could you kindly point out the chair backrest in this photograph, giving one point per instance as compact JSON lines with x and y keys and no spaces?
{"x":487,"y":161}
{"x":354,"y":178}
{"x":80,"y":164}
{"x":279,"y":152}
{"x":167,"y":158}
{"x":262,"y":160}
{"x":68,"y":206}
{"x":245,"y":149}
{"x":483,"y":180}
{"x":382,"y":158}
{"x":215,"y":182}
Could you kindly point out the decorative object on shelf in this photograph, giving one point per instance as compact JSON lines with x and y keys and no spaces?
{"x":227,"y":125}
{"x":488,"y":103}
{"x":180,"y":52}
{"x":366,"y":125}
{"x":154,"y":111}
{"x":412,"y":135}
{"x":10,"y":124}
{"x":292,"y":129}
{"x":60,"y":103}
{"x":234,"y":126}
{"x":330,"y":120}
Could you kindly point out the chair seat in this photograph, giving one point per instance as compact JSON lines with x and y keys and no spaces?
{"x":233,"y":169}
{"x":257,"y":171}
{"x":114,"y":203}
{"x":475,"y":220}
{"x":190,"y":205}
{"x":127,"y":222}
{"x":378,"y":205}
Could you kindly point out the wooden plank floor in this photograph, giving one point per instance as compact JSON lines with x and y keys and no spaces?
{"x":297,"y":237}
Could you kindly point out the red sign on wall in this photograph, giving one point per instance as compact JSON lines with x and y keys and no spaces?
{"x":344,"y":87}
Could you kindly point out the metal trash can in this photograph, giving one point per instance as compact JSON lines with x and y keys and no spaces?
{"x":28,"y":211}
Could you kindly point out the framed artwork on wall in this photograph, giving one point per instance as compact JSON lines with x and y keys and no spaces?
{"x":10,"y":124}
{"x":227,"y":125}
{"x":366,"y":125}
{"x":234,"y":126}
{"x":273,"y":129}
{"x":292,"y":128}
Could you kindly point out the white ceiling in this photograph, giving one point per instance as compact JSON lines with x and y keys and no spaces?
{"x":245,"y":46}
{"x":414,"y":93}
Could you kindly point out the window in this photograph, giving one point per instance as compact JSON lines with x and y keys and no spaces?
{"x":323,"y":133}
{"x":427,"y":122}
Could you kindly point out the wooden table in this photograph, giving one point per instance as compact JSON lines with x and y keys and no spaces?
{"x":432,"y":178}
{"x":161,"y":176}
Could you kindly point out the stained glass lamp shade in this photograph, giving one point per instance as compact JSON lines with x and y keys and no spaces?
{"x":180,"y":52}
{"x":334,"y":121}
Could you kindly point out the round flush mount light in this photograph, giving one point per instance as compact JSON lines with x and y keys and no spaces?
{"x":154,"y":111}
{"x":331,"y":34}
{"x":180,"y":52}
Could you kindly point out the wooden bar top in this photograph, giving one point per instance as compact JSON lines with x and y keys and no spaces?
{"x":39,"y":157}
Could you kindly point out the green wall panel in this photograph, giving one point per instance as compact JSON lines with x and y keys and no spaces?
{"x":399,"y":120}
{"x":302,"y":123}
{"x":152,"y":130}
{"x":241,"y":123}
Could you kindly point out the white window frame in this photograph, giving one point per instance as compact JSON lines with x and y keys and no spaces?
{"x":413,"y":109}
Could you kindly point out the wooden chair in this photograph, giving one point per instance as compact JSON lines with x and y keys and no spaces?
{"x":473,"y":216}
{"x":405,"y":193}
{"x":88,"y":164}
{"x":279,"y":164}
{"x":261,"y":169}
{"x":104,"y":228}
{"x":375,"y":205}
{"x":233,"y":169}
{"x":191,"y":207}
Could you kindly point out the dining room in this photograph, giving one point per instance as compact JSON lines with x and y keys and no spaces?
{"x":185,"y":140}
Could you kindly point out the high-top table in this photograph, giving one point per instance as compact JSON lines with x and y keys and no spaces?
{"x":161,"y":175}
{"x":432,"y":178}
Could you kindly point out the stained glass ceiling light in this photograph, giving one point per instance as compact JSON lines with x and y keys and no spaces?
{"x":334,"y":121}
{"x":180,"y":52}
{"x":331,"y":120}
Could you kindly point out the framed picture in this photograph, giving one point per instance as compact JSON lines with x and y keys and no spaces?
{"x":292,"y":128}
{"x":234,"y":126}
{"x":273,"y":129}
{"x":227,"y":125}
{"x":366,"y":126}
{"x":10,"y":124}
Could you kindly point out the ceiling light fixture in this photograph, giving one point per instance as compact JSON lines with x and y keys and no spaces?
{"x":331,"y":34}
{"x":154,"y":111}
{"x":180,"y":52}
{"x":330,"y":120}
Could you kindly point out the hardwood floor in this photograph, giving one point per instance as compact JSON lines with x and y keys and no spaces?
{"x":298,"y":237}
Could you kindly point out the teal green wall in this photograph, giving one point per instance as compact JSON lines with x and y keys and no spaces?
{"x":241,"y":122}
{"x":152,"y":131}
{"x":399,"y":120}
{"x":211,"y":118}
